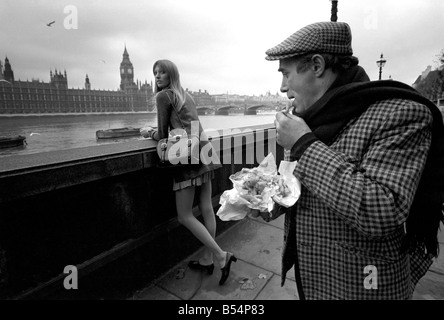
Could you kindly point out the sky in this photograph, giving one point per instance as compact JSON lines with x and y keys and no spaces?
{"x":218,"y":46}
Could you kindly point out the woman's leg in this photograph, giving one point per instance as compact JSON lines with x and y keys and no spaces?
{"x":184,"y":206}
{"x":206,"y":209}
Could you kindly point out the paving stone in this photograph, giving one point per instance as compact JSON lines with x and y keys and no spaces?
{"x":256,"y":275}
{"x":430,"y":287}
{"x":274,"y":291}
{"x":244,"y":283}
{"x":153,"y":292}
{"x":182,"y":282}
{"x":256,"y":243}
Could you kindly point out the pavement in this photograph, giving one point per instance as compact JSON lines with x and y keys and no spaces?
{"x":257,"y":273}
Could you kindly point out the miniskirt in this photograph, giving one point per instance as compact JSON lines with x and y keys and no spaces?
{"x":198,"y":181}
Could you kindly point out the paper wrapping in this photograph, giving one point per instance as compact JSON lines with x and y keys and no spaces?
{"x":260,"y":189}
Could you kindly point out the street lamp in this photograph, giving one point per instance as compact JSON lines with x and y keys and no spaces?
{"x":381,"y":62}
{"x":334,"y":11}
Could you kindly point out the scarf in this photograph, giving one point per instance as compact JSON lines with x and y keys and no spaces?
{"x":347,"y":98}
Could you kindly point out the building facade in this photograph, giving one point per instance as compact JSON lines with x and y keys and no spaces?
{"x":431,"y":84}
{"x":38,"y":97}
{"x":55,"y":97}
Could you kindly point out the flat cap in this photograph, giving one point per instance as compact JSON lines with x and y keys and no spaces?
{"x":320,"y":37}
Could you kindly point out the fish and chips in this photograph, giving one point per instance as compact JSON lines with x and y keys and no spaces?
{"x":259,"y":189}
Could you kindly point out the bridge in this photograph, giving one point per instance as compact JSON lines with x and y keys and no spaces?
{"x":245,"y":109}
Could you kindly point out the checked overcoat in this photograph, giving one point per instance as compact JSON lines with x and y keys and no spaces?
{"x":347,"y":228}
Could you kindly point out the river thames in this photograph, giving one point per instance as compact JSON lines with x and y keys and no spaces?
{"x":57,"y":132}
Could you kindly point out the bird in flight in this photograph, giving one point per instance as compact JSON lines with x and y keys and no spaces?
{"x":49,"y":24}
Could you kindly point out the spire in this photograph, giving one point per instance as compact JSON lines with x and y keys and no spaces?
{"x":8,"y":74}
{"x":87,"y":83}
{"x":126,"y":59}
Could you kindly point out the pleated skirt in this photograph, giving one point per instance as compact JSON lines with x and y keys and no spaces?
{"x":197,"y":181}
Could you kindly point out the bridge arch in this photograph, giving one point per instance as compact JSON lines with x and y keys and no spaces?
{"x":205,"y":110}
{"x":226,"y":110}
{"x":253,"y":109}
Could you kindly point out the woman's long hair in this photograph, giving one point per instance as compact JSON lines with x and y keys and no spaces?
{"x":173,"y":73}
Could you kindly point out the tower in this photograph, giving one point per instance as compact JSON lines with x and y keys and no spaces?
{"x":1,"y":70}
{"x":126,"y":72}
{"x":59,"y":80}
{"x":8,"y":74}
{"x":87,"y":84}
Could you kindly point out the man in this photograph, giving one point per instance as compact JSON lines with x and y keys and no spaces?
{"x":361,"y":148}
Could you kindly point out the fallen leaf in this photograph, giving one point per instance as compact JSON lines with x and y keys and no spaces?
{"x":180,"y":273}
{"x":248,"y":285}
{"x":243,"y":280}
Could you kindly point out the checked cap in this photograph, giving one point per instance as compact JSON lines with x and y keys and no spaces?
{"x":320,"y":37}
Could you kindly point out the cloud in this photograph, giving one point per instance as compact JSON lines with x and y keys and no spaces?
{"x":219,"y":46}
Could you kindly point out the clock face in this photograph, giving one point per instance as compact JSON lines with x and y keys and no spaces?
{"x":122,"y":70}
{"x":130,"y":71}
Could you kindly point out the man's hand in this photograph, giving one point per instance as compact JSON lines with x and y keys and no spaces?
{"x":265,"y":215}
{"x":277,"y":211}
{"x":289,"y":128}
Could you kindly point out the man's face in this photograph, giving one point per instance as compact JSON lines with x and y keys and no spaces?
{"x":301,"y":87}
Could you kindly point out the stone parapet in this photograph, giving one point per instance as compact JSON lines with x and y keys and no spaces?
{"x":107,"y":210}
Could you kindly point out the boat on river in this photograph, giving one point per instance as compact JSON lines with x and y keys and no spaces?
{"x":9,"y":142}
{"x":118,"y":133}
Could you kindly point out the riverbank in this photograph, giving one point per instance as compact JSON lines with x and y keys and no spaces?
{"x":12,"y":115}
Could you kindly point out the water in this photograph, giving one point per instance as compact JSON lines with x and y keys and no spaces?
{"x":48,"y":133}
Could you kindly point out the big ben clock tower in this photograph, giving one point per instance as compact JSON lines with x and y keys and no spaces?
{"x":126,"y":72}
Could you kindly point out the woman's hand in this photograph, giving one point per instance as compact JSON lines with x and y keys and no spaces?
{"x":146,"y":132}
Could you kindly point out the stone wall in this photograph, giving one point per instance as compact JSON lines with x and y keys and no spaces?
{"x":107,"y":210}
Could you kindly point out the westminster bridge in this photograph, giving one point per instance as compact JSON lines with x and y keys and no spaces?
{"x":233,"y":108}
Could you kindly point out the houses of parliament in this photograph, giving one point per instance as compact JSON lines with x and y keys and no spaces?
{"x":38,"y":97}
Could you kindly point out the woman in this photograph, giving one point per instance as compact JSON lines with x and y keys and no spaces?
{"x":176,"y":110}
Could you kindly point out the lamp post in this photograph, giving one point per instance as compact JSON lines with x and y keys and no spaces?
{"x":381,"y":62}
{"x":334,"y":10}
